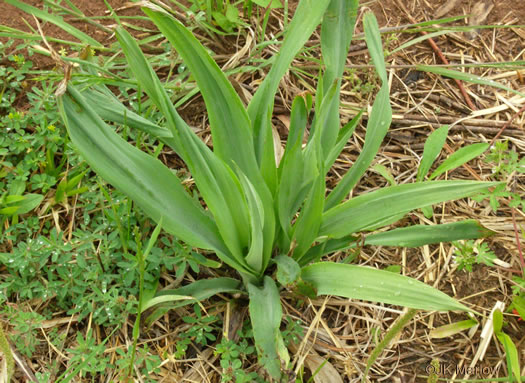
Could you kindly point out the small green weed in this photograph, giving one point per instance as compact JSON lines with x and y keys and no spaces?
{"x":202,"y":330}
{"x":146,"y":362}
{"x":89,"y":354}
{"x":25,"y":326}
{"x":505,"y":163}
{"x":233,"y":357}
{"x":469,"y":253}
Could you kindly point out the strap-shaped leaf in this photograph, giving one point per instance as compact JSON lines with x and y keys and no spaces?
{"x":232,"y":129}
{"x":229,"y":122}
{"x":306,"y":18}
{"x":372,"y":208}
{"x":413,"y":236}
{"x":217,"y":183}
{"x":336,"y":33}
{"x":460,"y":157}
{"x":57,"y":20}
{"x":255,"y":256}
{"x":295,"y":176}
{"x":433,"y":146}
{"x":309,"y":221}
{"x":266,"y":314}
{"x":378,"y":121}
{"x":361,"y":282}
{"x":196,"y":291}
{"x":144,"y":179}
{"x":419,"y":235}
{"x":110,"y":109}
{"x":166,"y":300}
{"x":344,"y":135}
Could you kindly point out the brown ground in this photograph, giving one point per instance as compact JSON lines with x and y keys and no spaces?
{"x":344,"y":334}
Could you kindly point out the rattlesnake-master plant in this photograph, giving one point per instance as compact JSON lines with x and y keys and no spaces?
{"x":259,"y":214}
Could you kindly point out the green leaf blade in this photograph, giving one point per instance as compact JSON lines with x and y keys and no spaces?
{"x":370,"y":209}
{"x":419,"y":235}
{"x":266,"y":314}
{"x":144,"y":179}
{"x":56,"y":20}
{"x":360,"y":282}
{"x":460,"y":157}
{"x":433,"y":146}
{"x":336,"y":34}
{"x":229,"y":122}
{"x":306,"y":18}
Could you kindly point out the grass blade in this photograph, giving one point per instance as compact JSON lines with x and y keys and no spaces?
{"x":419,"y":235}
{"x":466,"y":77}
{"x":266,"y":314}
{"x":57,"y":20}
{"x":378,"y":122}
{"x":372,"y":208}
{"x":361,"y":282}
{"x":144,"y":179}
{"x":229,"y":122}
{"x":336,"y":34}
{"x":433,"y":146}
{"x":417,"y":40}
{"x":459,"y":158}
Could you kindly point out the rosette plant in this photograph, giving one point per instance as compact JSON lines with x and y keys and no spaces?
{"x":269,"y":221}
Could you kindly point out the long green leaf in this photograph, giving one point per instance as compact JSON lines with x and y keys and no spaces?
{"x":309,"y":221}
{"x":459,"y":158}
{"x":344,"y":135}
{"x":266,"y":314}
{"x":361,"y":282}
{"x":110,"y":109}
{"x":306,"y":18}
{"x":373,"y":42}
{"x":336,"y":33}
{"x":412,"y":236}
{"x":378,"y":121}
{"x":210,"y":173}
{"x":466,"y":77}
{"x":419,"y":235}
{"x":433,"y":146}
{"x":372,"y":208}
{"x":255,"y":256}
{"x":511,"y":355}
{"x":377,"y":126}
{"x":329,"y":246}
{"x":229,"y":122}
{"x":196,"y":291}
{"x":144,"y":179}
{"x":296,"y":177}
{"x":57,"y":20}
